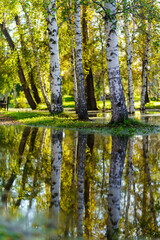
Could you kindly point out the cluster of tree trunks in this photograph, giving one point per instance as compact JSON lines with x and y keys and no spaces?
{"x":82,"y":72}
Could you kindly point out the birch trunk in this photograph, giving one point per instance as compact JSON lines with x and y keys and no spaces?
{"x":103,"y":79}
{"x":82,"y":107}
{"x":130,"y":96}
{"x":80,"y":182}
{"x":118,"y":154}
{"x":118,"y":106}
{"x":73,"y":63}
{"x":55,"y":76}
{"x":36,"y":58}
{"x":56,"y":160}
{"x":145,"y":68}
{"x":102,"y":62}
{"x":74,"y":78}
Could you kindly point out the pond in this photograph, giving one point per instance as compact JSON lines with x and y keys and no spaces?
{"x":63,"y":184}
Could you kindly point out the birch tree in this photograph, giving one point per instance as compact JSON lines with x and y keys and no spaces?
{"x":145,"y":67}
{"x":73,"y":62}
{"x":82,"y":107}
{"x":129,"y":48}
{"x":118,"y":106}
{"x":102,"y":64}
{"x":55,"y":76}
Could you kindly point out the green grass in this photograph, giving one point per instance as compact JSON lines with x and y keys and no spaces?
{"x":68,"y":102}
{"x":70,"y":121}
{"x":71,"y":104}
{"x":153,"y":104}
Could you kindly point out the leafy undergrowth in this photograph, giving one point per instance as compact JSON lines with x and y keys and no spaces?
{"x":70,"y":121}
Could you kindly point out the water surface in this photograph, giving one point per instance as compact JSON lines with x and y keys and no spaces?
{"x":58,"y":184}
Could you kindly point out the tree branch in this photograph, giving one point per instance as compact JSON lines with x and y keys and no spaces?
{"x":65,"y":20}
{"x":99,"y":4}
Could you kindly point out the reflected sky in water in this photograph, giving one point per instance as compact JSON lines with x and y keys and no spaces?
{"x":66,"y":184}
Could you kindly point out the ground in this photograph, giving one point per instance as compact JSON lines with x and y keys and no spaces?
{"x":69,"y":120}
{"x":6,"y":120}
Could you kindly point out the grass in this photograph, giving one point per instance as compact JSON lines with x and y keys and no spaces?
{"x":68,"y":102}
{"x":71,"y":104}
{"x":70,"y":121}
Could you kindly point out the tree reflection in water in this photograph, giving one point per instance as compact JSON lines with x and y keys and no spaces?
{"x":119,"y":145}
{"x":33,"y":192}
{"x":82,"y":190}
{"x":12,"y":178}
{"x":80,"y":182}
{"x":26,"y":168}
{"x":56,"y":161}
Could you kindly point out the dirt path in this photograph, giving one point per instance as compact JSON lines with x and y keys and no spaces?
{"x":5,"y":120}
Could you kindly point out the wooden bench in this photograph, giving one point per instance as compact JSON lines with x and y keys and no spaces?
{"x":4,"y":103}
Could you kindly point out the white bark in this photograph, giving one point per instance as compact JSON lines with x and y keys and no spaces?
{"x":130,"y":97}
{"x":56,"y":160}
{"x":118,"y":106}
{"x":36,"y":58}
{"x":82,"y":107}
{"x":55,"y":76}
{"x":145,"y":67}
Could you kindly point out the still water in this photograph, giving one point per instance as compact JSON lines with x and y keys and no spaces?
{"x":58,"y":184}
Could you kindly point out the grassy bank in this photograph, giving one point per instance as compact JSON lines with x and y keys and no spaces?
{"x":70,"y":121}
